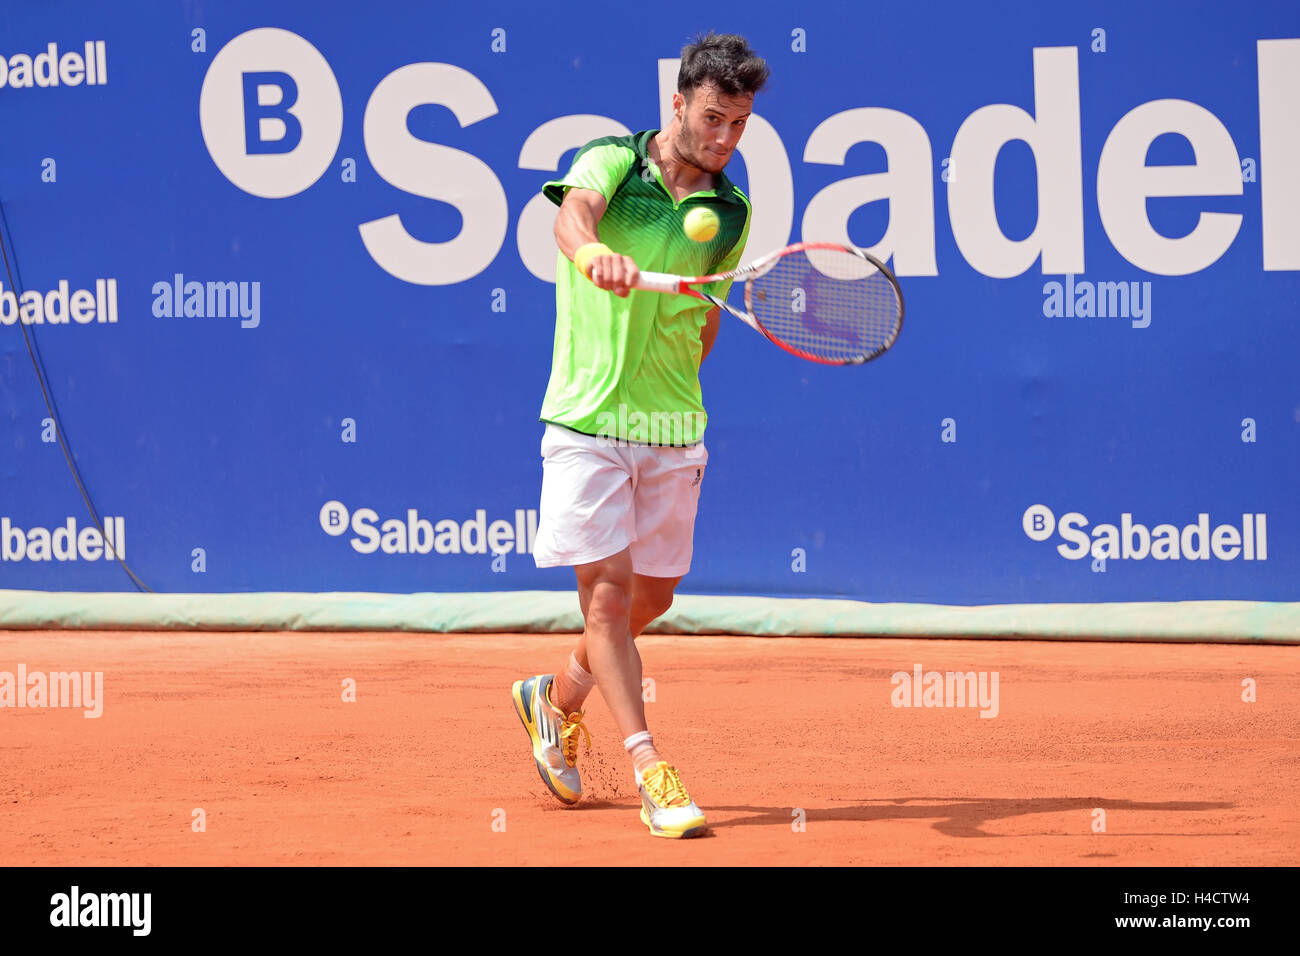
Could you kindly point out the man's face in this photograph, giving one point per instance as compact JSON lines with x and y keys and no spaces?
{"x":711,"y":124}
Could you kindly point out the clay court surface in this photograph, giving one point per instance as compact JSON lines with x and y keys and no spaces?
{"x":252,"y":728}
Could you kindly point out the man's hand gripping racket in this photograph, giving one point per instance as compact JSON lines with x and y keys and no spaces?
{"x":821,"y":301}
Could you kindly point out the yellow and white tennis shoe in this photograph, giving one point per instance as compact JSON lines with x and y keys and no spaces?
{"x":554,"y":736}
{"x":666,"y":808}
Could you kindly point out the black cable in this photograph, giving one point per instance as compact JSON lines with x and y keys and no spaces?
{"x":38,"y":364}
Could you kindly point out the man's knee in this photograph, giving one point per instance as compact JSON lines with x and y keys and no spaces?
{"x":605,"y":588}
{"x":655,"y":595}
{"x":610,"y":601}
{"x":661,"y":604}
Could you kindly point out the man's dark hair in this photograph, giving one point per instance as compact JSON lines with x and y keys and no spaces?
{"x":724,"y":58}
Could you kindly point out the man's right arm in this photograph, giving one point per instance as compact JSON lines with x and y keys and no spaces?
{"x":575,"y":227}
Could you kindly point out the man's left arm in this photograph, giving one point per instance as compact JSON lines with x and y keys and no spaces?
{"x":709,"y":332}
{"x":721,"y":289}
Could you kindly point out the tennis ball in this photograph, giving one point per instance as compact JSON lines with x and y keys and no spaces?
{"x":701,"y":224}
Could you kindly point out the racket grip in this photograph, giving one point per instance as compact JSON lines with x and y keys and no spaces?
{"x":658,"y":282}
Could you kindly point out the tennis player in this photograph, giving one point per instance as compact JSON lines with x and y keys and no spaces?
{"x":623,"y":455}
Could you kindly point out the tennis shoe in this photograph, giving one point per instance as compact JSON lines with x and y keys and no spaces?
{"x":666,"y":808}
{"x":553,"y":735}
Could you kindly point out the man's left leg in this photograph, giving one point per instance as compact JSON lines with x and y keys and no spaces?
{"x":667,"y":493}
{"x":651,"y":598}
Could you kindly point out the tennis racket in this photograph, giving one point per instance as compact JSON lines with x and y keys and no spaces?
{"x":821,"y":301}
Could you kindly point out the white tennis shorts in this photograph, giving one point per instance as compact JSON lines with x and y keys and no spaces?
{"x":600,"y":496}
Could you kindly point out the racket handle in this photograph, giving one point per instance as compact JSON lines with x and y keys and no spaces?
{"x":659,"y":282}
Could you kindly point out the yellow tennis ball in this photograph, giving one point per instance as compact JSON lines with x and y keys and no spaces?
{"x":701,"y":224}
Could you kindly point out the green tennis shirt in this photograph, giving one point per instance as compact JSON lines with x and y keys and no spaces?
{"x":629,"y":368}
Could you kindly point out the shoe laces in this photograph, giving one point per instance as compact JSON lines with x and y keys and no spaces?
{"x":569,"y":727}
{"x":664,"y":786}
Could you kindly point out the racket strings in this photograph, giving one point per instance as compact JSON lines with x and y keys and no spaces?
{"x":829,"y":305}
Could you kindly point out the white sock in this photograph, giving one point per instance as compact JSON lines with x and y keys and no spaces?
{"x":641,"y":747}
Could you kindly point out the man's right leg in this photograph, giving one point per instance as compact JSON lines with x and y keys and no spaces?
{"x":608,"y":594}
{"x":585,"y":514}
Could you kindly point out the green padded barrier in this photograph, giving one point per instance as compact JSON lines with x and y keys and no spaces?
{"x":557,"y":611}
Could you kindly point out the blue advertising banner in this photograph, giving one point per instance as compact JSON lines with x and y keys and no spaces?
{"x":290,"y":278}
